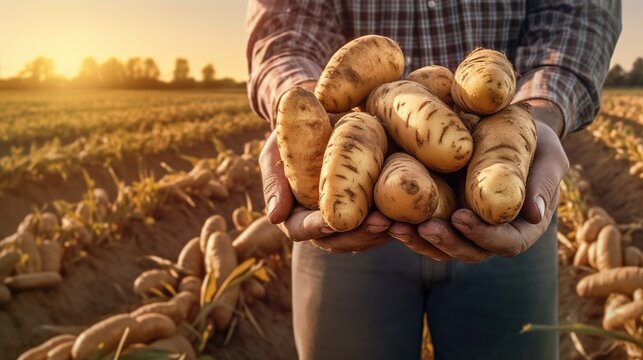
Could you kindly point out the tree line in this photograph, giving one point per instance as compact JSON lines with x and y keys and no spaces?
{"x":618,"y":77}
{"x":135,"y":73}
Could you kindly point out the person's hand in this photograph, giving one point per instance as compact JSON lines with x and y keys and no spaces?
{"x":468,"y":238}
{"x":300,"y":224}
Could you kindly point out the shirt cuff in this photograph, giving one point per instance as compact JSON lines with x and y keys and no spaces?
{"x":276,"y":77}
{"x":556,"y":85}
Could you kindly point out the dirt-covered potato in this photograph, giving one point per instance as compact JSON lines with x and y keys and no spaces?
{"x":437,"y":79}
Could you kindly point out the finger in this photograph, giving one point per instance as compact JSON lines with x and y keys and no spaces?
{"x":371,"y":233}
{"x":376,"y":223}
{"x":407,"y":235}
{"x":446,"y":238}
{"x":276,"y":190}
{"x":305,"y":225}
{"x":506,"y":240}
{"x":547,"y":170}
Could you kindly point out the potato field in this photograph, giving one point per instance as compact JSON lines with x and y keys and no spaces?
{"x":133,"y":222}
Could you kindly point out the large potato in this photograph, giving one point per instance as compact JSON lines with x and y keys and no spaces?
{"x":352,"y":163}
{"x":356,"y":69}
{"x":303,"y":130}
{"x":437,"y":79}
{"x":504,"y":147}
{"x":422,"y":124}
{"x":405,"y":190}
{"x":484,"y":83}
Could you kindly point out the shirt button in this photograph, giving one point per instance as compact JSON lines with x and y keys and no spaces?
{"x":431,"y":4}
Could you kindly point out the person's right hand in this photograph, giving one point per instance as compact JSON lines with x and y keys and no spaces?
{"x":301,"y":224}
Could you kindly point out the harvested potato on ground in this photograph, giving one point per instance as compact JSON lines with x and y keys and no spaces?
{"x":253,"y":289}
{"x":608,"y":248}
{"x":220,"y":261}
{"x":352,"y":163}
{"x":624,"y":280}
{"x":106,"y":334}
{"x":591,"y":255}
{"x":191,"y":258}
{"x":28,"y":224}
{"x":599,"y":211}
{"x":484,"y":82}
{"x":423,"y":125}
{"x":242,"y":217}
{"x":26,"y":243}
{"x":149,"y":280}
{"x":618,"y":316}
{"x":40,"y":351}
{"x":176,"y":344}
{"x":48,"y":224}
{"x":437,"y":79}
{"x":303,"y":130}
{"x":212,"y":224}
{"x":588,"y":232}
{"x":356,"y":69}
{"x":260,"y":237}
{"x":61,"y":351}
{"x":8,"y":261}
{"x":51,"y":255}
{"x":613,"y":301}
{"x":191,"y":284}
{"x":497,"y":174}
{"x":39,"y":280}
{"x":151,"y":327}
{"x":447,"y":199}
{"x":405,"y":191}
{"x":581,"y":255}
{"x":176,"y":308}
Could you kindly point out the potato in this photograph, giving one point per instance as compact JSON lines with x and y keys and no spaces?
{"x":613,"y":302}
{"x":39,"y":280}
{"x":242,"y":216}
{"x":437,"y":79}
{"x":107,"y":333}
{"x":8,"y":261}
{"x":220,"y":261}
{"x":176,"y":308}
{"x":405,"y":190}
{"x":212,"y":224}
{"x":591,"y":255}
{"x":497,"y":174}
{"x":149,"y":280}
{"x":484,"y":82}
{"x":61,"y":351}
{"x":260,"y":238}
{"x":356,"y":69}
{"x":617,"y":317}
{"x":632,"y":256}
{"x":48,"y":224}
{"x":470,"y":121}
{"x":303,"y":130}
{"x":581,"y":255}
{"x":151,"y":327}
{"x":40,"y":352}
{"x":447,"y":200}
{"x":422,"y":125}
{"x":51,"y":255}
{"x":352,"y":163}
{"x":608,"y":248}
{"x":5,"y":294}
{"x":191,"y":284}
{"x":588,"y":232}
{"x":624,"y":280}
{"x":191,"y":258}
{"x":253,"y":289}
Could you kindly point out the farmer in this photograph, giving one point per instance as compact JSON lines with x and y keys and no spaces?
{"x":477,"y":283}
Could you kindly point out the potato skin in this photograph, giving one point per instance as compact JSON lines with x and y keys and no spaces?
{"x":484,"y":82}
{"x":356,"y":69}
{"x":191,"y":257}
{"x":497,"y":174}
{"x":220,"y":261}
{"x":108,"y":332}
{"x":40,"y":351}
{"x":447,"y":200}
{"x":422,"y":124}
{"x":303,"y":130}
{"x":405,"y":190}
{"x":608,"y":248}
{"x":352,"y":163}
{"x":624,"y":280}
{"x":260,"y":237}
{"x":437,"y":79}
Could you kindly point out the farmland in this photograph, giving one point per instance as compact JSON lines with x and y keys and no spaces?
{"x":57,"y":147}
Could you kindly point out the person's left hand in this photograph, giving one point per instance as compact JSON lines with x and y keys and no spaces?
{"x":468,"y":238}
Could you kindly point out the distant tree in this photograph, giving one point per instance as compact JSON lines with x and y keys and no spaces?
{"x":89,"y":74}
{"x":134,"y":69}
{"x":151,"y":70}
{"x":182,"y":72}
{"x":616,"y":76}
{"x":112,"y":73}
{"x":635,"y":76}
{"x":39,"y":70}
{"x":208,"y":73}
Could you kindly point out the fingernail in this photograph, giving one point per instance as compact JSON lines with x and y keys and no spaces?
{"x":540,"y":203}
{"x":402,"y":237}
{"x":374,"y":229}
{"x":272,"y":204}
{"x":326,"y":230}
{"x":435,"y":240}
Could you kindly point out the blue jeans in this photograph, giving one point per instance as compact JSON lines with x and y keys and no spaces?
{"x":370,"y":305}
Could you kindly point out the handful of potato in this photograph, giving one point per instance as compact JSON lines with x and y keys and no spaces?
{"x":443,"y":121}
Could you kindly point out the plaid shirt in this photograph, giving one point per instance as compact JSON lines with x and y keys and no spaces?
{"x":560,"y":49}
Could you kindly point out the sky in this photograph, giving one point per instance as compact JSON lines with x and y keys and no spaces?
{"x":203,"y":31}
